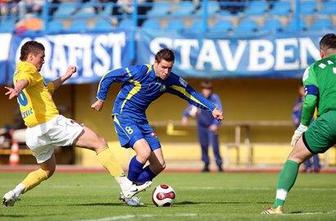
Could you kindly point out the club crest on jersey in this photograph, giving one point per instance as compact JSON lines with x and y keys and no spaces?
{"x":163,"y":88}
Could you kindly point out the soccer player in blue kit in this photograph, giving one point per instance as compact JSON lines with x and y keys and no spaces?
{"x":142,"y":84}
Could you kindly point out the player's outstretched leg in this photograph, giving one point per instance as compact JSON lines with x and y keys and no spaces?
{"x":133,"y":189}
{"x":10,"y":198}
{"x":288,"y":176}
{"x":33,"y":179}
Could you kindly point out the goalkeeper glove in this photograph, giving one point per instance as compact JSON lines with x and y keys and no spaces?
{"x":298,"y":133}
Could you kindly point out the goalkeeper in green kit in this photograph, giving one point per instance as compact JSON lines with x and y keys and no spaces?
{"x":319,"y":81}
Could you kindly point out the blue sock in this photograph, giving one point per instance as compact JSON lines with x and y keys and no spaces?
{"x":146,"y":175}
{"x":134,"y":169}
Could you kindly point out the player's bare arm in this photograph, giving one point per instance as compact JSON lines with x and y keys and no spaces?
{"x":19,"y":86}
{"x":69,"y":72}
{"x":98,"y":105}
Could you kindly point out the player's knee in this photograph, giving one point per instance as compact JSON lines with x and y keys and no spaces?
{"x":144,"y":154}
{"x":142,"y":157}
{"x":49,"y":171}
{"x":163,"y":166}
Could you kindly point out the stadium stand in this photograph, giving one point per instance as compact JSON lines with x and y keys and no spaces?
{"x":231,"y":17}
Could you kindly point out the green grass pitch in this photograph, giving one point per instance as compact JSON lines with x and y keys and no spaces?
{"x":200,"y":197}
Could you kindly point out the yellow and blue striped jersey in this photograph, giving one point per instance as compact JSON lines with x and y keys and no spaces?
{"x":35,"y":101}
{"x":141,"y":87}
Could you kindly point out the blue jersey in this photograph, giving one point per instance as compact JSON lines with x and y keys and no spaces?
{"x":205,"y":118}
{"x":141,"y":87}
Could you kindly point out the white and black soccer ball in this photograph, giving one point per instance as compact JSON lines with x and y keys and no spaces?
{"x":163,"y":195}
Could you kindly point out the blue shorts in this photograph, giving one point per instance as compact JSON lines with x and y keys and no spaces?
{"x":130,"y":131}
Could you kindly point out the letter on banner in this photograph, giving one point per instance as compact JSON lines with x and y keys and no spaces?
{"x":232,"y":60}
{"x":260,"y":50}
{"x":284,"y":51}
{"x":208,"y":54}
{"x":186,"y":46}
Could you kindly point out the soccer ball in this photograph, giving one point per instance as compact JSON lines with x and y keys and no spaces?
{"x":163,"y":195}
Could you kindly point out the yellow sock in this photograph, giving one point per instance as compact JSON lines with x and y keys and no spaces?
{"x":108,"y":160}
{"x":34,"y":178}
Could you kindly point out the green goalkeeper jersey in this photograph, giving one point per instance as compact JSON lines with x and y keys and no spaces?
{"x":319,"y":81}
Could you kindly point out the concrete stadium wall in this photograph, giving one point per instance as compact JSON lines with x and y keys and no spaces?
{"x":243,"y":99}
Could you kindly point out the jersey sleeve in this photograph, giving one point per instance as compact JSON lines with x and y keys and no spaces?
{"x":218,"y":105}
{"x":311,"y":95}
{"x":118,"y":75}
{"x":27,"y":73}
{"x":182,"y":89}
{"x":51,"y":87}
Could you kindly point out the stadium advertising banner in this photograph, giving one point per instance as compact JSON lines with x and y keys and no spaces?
{"x":265,"y":56}
{"x":93,"y":54}
{"x":5,"y":40}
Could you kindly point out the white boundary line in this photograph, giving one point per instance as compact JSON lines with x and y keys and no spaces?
{"x":129,"y":217}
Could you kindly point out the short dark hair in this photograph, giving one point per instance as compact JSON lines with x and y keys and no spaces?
{"x":30,"y":47}
{"x":206,"y":84}
{"x":165,"y":54}
{"x":328,"y":41}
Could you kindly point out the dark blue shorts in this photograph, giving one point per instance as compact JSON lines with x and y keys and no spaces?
{"x":130,"y":131}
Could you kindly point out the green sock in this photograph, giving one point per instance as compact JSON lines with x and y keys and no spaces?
{"x":286,"y":181}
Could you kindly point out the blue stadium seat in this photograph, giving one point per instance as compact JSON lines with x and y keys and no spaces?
{"x":184,"y":9}
{"x":281,"y":8}
{"x":103,"y":24}
{"x":55,"y":26}
{"x":329,"y":8}
{"x":256,"y":8}
{"x":7,"y":25}
{"x":66,"y":9}
{"x":213,"y":8}
{"x":175,"y":25}
{"x":246,"y":26}
{"x":272,"y":25}
{"x":85,"y":11}
{"x":107,"y":11}
{"x":308,"y":7}
{"x":159,"y":9}
{"x":79,"y":25}
{"x":151,"y":24}
{"x":221,"y":26}
{"x":291,"y":27}
{"x":126,"y":24}
{"x":321,"y":24}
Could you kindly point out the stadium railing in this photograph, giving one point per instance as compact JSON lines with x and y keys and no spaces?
{"x":242,"y":134}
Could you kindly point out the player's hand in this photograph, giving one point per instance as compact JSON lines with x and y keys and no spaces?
{"x":98,"y":105}
{"x":297,"y":134}
{"x":11,"y":92}
{"x":213,"y":128}
{"x":70,"y":71}
{"x":217,"y":114}
{"x":184,"y":121}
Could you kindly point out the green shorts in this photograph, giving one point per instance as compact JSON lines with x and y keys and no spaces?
{"x":321,"y":134}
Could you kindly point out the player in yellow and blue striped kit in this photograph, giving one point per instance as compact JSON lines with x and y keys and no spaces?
{"x":142,"y":84}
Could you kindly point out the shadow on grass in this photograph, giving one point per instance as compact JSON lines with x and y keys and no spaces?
{"x":100,"y":204}
{"x":217,"y":202}
{"x":12,"y":216}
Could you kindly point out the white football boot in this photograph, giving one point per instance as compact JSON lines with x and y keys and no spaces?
{"x":10,"y":198}
{"x":135,"y":189}
{"x":133,"y":201}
